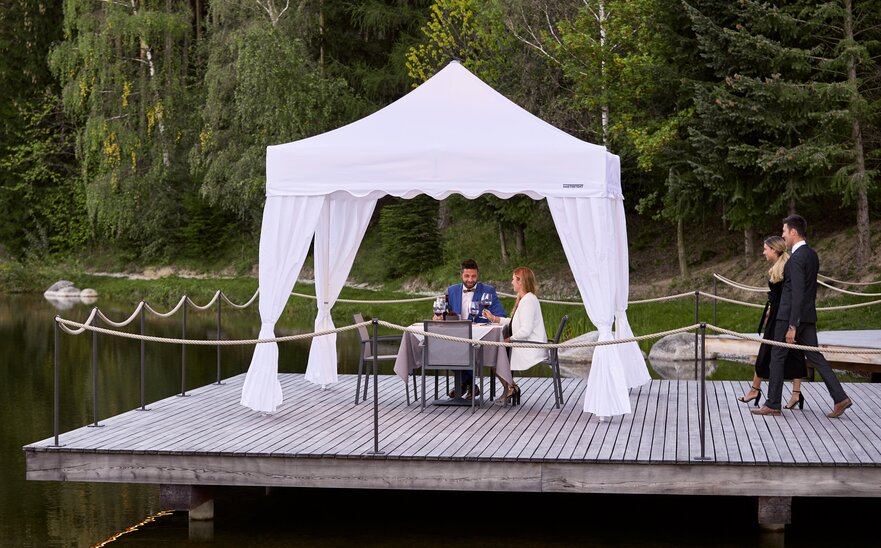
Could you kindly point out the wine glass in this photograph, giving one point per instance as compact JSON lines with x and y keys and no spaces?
{"x":473,"y":310}
{"x":439,"y":306}
{"x":486,"y":300}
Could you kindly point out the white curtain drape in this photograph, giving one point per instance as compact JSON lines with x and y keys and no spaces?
{"x":288,"y":225}
{"x":586,"y":227}
{"x":636,"y":372}
{"x":341,"y":228}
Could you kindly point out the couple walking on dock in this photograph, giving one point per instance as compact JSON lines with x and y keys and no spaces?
{"x":795,"y":322}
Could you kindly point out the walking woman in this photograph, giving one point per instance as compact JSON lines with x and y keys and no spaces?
{"x":527,"y":324}
{"x":795,"y":366}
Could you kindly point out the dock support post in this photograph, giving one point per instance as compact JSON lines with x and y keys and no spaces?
{"x":55,"y":386}
{"x":775,"y":513}
{"x":198,"y":501}
{"x":375,"y":343}
{"x":715,"y":300}
{"x":143,"y":361}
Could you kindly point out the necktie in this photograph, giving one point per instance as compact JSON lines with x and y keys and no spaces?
{"x":468,"y":290}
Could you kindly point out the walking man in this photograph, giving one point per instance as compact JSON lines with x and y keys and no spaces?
{"x":797,"y":320}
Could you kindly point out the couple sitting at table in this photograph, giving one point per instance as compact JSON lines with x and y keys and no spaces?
{"x":525,"y":323}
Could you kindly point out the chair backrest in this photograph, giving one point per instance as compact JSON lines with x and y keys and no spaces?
{"x":553,"y":351}
{"x":442,"y":354}
{"x":362,"y":330}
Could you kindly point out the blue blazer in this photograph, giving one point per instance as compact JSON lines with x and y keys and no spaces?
{"x":454,"y":293}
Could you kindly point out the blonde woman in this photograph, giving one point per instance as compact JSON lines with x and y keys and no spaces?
{"x":794,"y":368}
{"x":527,"y":324}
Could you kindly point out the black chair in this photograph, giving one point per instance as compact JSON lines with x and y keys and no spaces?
{"x":366,"y":355}
{"x":554,"y":361}
{"x":440,"y":354}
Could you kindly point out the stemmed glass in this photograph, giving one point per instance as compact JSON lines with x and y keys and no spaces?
{"x":473,"y":310}
{"x":439,"y":306}
{"x":486,"y":300}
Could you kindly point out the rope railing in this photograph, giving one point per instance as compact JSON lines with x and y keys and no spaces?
{"x":79,"y":328}
{"x":744,"y":287}
{"x":828,"y":278}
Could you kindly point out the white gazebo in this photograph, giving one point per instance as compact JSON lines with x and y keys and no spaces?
{"x":452,"y":134}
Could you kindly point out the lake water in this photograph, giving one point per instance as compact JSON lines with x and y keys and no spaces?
{"x":37,"y":514}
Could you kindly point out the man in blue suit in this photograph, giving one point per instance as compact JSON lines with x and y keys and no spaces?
{"x":461,"y":296}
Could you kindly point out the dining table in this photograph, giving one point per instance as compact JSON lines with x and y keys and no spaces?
{"x":409,"y":355}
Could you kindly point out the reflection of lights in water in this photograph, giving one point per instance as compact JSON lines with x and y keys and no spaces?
{"x":133,"y":528}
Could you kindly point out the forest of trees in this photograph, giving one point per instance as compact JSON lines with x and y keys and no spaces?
{"x":142,"y":124}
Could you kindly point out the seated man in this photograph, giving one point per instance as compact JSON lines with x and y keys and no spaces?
{"x":460,"y":297}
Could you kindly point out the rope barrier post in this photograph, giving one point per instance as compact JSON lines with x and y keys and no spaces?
{"x":219,"y":299}
{"x":143,"y":361}
{"x":375,"y":343}
{"x":697,"y":295}
{"x":56,"y":389}
{"x":95,"y":376}
{"x":183,"y":353}
{"x":703,"y":394}
{"x":714,"y":300}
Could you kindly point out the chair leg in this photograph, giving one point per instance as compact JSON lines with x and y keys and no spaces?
{"x":423,"y":388}
{"x":358,"y":386}
{"x":366,"y":384}
{"x":558,"y":384}
{"x":407,"y":391}
{"x":415,"y":392}
{"x":492,"y":387}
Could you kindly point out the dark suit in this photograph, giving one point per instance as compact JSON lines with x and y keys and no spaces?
{"x":798,"y":307}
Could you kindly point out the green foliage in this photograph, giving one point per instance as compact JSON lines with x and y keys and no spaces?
{"x":123,"y":72}
{"x":470,"y":31}
{"x":410,"y":237}
{"x":42,"y":196}
{"x":260,"y":89}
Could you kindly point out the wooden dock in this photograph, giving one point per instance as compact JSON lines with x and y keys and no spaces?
{"x":321,"y":439}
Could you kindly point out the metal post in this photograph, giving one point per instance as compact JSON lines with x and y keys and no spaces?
{"x":55,"y":414}
{"x":703,"y":394}
{"x":183,"y":352}
{"x":715,"y":301}
{"x":219,"y":299}
{"x":697,"y":319}
{"x":375,"y":343}
{"x":95,"y":375}
{"x":143,"y":361}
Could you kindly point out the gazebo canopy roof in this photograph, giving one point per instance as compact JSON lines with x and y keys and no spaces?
{"x":452,"y":134}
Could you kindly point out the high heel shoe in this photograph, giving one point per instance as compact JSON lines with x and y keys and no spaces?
{"x":515,"y":397}
{"x":755,"y":398}
{"x":800,"y":402}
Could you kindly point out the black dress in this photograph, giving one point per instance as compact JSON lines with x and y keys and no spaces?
{"x":795,"y":366}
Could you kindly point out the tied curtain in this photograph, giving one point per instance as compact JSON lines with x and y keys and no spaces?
{"x":343,"y":222}
{"x":285,"y":235}
{"x":587,"y":229}
{"x":635,"y":371}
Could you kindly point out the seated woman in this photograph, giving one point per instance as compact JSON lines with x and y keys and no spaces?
{"x":527,"y":324}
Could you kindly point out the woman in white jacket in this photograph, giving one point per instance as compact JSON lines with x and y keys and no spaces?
{"x":527,"y":324}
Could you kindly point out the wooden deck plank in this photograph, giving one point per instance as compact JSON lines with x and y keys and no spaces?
{"x":546,"y":433}
{"x":659,"y":429}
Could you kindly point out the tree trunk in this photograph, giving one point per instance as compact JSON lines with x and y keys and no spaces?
{"x":864,"y":247}
{"x":790,"y":206}
{"x":444,"y":219}
{"x":680,"y":248}
{"x":605,"y":108}
{"x":520,"y":240}
{"x":503,"y":245}
{"x":748,"y":245}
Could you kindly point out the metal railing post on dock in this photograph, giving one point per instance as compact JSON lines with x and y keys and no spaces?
{"x":56,"y":390}
{"x":715,"y":300}
{"x":143,"y":356}
{"x":219,"y":299}
{"x":703,"y":395}
{"x":95,"y":374}
{"x":183,"y":352}
{"x":697,"y":319}
{"x":375,"y":343}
